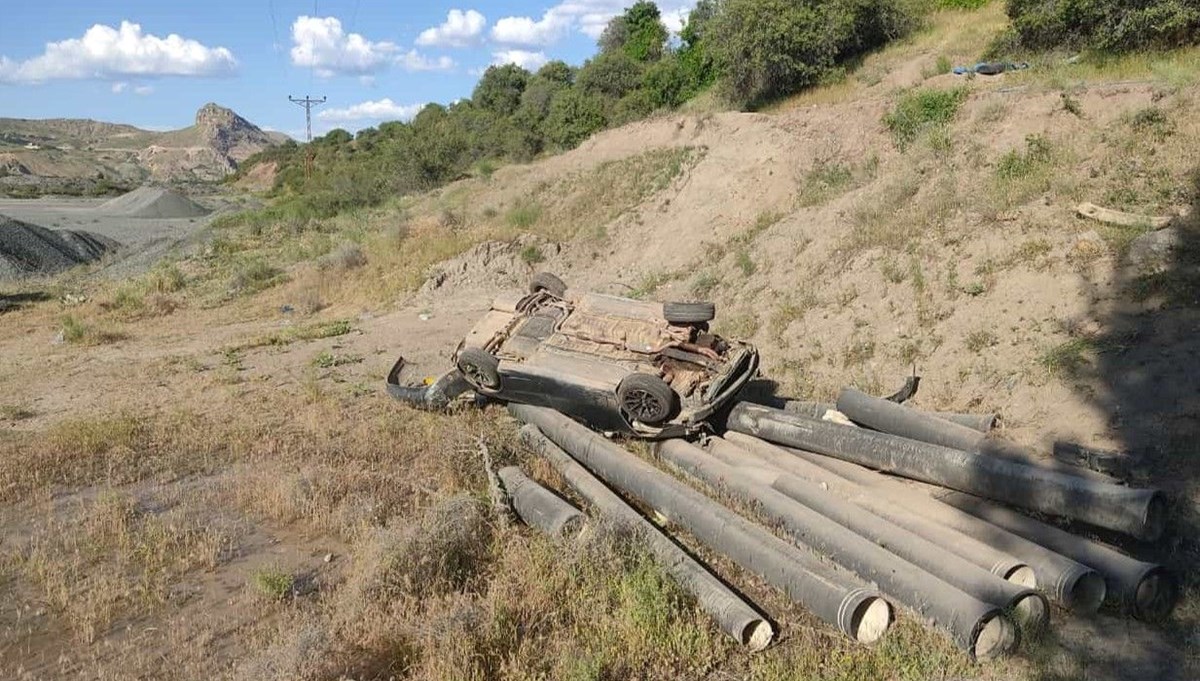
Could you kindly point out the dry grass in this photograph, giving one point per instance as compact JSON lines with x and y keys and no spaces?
{"x":110,"y":558}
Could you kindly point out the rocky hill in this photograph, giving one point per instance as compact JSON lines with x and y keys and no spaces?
{"x":85,"y":156}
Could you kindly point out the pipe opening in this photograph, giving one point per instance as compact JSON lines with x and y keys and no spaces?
{"x":1156,"y":595}
{"x":1087,"y":593}
{"x":994,"y":637}
{"x":1032,"y":611}
{"x":1022,"y":575}
{"x":871,"y":620}
{"x":757,"y":635}
{"x":1156,"y":517}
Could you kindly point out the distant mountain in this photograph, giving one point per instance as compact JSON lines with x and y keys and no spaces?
{"x":86,"y":156}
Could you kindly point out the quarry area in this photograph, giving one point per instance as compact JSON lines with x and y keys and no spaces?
{"x":202,"y":473}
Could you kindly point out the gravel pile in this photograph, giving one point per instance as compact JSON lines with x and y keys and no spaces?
{"x":152,"y":202}
{"x":29,"y":250}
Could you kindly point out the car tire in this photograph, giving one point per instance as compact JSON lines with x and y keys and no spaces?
{"x":545,"y":281}
{"x":647,"y":399}
{"x":689,"y":313}
{"x":479,"y":368}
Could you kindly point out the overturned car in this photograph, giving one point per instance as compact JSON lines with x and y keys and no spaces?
{"x":643,"y":368}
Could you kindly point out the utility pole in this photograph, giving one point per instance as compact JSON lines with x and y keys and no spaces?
{"x":308,"y":103}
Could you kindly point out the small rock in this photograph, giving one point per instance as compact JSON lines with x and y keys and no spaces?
{"x":425,"y":316}
{"x":287,"y":309}
{"x":329,"y":558}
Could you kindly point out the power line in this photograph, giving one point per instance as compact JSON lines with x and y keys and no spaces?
{"x":308,"y":103}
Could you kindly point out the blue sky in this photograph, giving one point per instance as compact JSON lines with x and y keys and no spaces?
{"x":153,"y":63}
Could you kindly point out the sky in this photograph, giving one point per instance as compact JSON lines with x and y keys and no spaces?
{"x":154,"y":63}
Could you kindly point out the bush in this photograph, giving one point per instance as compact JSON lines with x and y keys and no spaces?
{"x":768,"y":48}
{"x":574,"y":116}
{"x":1106,"y":25}
{"x":612,"y":75}
{"x":920,"y":111}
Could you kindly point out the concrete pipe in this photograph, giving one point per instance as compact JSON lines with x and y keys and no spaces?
{"x":1145,"y":590}
{"x":889,"y":417}
{"x":956,"y":596}
{"x":1067,"y":582}
{"x":738,"y":447}
{"x":736,"y":617}
{"x":836,"y":597}
{"x":539,"y":507}
{"x":1138,"y":512}
{"x":983,"y":423}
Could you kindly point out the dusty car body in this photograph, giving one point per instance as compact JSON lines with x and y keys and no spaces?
{"x":617,"y":364}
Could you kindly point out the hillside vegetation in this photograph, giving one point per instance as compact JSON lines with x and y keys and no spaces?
{"x":202,"y":472}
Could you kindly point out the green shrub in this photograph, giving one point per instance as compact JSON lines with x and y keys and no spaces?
{"x":614,"y":74}
{"x":574,"y":116}
{"x":1106,"y":25}
{"x":921,"y":111}
{"x":524,"y":215}
{"x":254,"y":275}
{"x":764,"y":49}
{"x":532,"y":255}
{"x":1017,"y":164}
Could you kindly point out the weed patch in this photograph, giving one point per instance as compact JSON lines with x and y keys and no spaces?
{"x":273,"y":583}
{"x":79,"y":332}
{"x":920,"y":111}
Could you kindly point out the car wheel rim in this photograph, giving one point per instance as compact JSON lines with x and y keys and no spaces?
{"x":476,"y":376}
{"x":643,"y":405}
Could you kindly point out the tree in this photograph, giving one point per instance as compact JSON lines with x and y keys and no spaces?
{"x":768,"y":48}
{"x":613,"y":75}
{"x":639,"y":33}
{"x":557,"y":71}
{"x":1107,"y":25}
{"x":695,"y":56}
{"x":574,"y":115}
{"x":666,"y":83}
{"x":499,"y":89}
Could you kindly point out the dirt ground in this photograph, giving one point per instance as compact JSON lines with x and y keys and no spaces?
{"x":211,"y":484}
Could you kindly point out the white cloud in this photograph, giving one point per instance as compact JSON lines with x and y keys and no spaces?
{"x":461,"y":29}
{"x":415,"y":61}
{"x":531,"y":61}
{"x":107,"y":52}
{"x":380,"y":110}
{"x":589,"y":17}
{"x":119,"y":87}
{"x":525,"y":31}
{"x":676,"y":19}
{"x":321,"y":43}
{"x":143,"y":89}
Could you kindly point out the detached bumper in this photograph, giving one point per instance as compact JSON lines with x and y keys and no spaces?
{"x":433,"y":396}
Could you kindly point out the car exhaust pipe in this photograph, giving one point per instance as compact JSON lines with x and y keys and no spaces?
{"x":983,"y":423}
{"x":1067,"y":582}
{"x":836,"y":597}
{"x":1148,"y":591}
{"x":1138,"y":512}
{"x":734,"y":615}
{"x":955,"y":596}
{"x":736,"y":449}
{"x":539,"y":507}
{"x":888,"y":417}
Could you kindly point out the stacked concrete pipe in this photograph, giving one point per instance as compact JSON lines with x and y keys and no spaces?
{"x":835,"y":596}
{"x":1137,"y":512}
{"x":961,"y":599}
{"x":736,"y":617}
